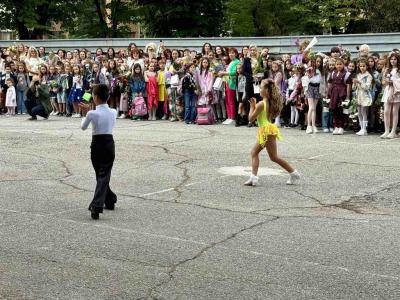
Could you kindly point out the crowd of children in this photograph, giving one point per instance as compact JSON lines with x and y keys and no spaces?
{"x":328,"y":90}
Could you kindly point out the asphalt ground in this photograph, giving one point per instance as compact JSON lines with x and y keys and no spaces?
{"x":185,"y":227}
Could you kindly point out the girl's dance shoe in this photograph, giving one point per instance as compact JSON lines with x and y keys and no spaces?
{"x":252,"y":181}
{"x":293,"y":178}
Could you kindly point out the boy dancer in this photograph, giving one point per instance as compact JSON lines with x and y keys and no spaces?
{"x":102,"y":148}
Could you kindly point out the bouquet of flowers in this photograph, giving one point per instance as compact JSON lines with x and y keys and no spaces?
{"x":178,"y":65}
{"x":344,"y":52}
{"x":349,"y":107}
{"x":346,"y":106}
{"x":53,"y":86}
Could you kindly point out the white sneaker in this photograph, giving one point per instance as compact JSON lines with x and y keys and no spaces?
{"x":361,"y":132}
{"x":326,"y":130}
{"x":252,"y":181}
{"x":330,"y":129}
{"x":315,"y":129}
{"x":335,"y":131}
{"x":340,"y":131}
{"x":385,"y":135}
{"x":309,"y":129}
{"x":122,"y":116}
{"x":164,"y":117}
{"x":391,"y":135}
{"x":293,"y":178}
{"x":227,"y":122}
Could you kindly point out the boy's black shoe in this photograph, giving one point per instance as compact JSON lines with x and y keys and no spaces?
{"x":109,"y":206}
{"x":34,"y":118}
{"x":95,"y":212}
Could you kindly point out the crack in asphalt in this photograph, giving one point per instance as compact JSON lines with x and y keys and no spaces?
{"x":345,"y":205}
{"x":173,"y":268}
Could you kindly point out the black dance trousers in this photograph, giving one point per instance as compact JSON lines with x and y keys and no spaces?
{"x":102,"y":156}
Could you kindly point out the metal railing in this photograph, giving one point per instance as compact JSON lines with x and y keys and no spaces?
{"x":378,"y":42}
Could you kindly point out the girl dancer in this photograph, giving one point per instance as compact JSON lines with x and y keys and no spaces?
{"x":264,"y":111}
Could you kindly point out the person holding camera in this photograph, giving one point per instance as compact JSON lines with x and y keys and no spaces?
{"x":38,"y":99}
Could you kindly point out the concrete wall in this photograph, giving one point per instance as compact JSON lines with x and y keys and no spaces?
{"x":383,"y":42}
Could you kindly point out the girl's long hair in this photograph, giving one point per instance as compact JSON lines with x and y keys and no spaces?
{"x":389,"y":65}
{"x":273,"y":98}
{"x":135,"y":75}
{"x":201,"y":66}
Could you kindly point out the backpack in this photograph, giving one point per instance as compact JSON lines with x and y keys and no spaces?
{"x":205,"y":116}
{"x":139,"y":108}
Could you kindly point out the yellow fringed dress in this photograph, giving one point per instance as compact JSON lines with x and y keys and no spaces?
{"x":266,"y":128}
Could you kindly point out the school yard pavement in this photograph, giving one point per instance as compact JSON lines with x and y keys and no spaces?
{"x":185,"y":227}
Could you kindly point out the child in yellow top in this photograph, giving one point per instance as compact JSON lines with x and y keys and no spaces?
{"x":162,"y":91}
{"x":269,"y":108}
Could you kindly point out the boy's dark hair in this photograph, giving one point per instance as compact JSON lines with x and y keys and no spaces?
{"x":335,"y":49}
{"x":102,"y":91}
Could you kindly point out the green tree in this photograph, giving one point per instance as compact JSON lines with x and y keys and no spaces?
{"x":181,"y":18}
{"x":33,"y":18}
{"x":263,"y":18}
{"x":100,"y":18}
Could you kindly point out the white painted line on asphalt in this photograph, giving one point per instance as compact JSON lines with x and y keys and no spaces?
{"x":288,"y":259}
{"x":318,"y":156}
{"x":126,"y":230}
{"x":155,"y":193}
{"x":193,"y":183}
{"x":228,"y":175}
{"x":171,"y":189}
{"x":67,"y":211}
{"x":173,"y":238}
{"x":362,"y":144}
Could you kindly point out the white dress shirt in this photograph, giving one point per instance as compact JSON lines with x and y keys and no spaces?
{"x":103,"y":120}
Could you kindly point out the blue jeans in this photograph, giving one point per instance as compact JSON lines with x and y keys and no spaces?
{"x":35,"y":109}
{"x":327,"y":119}
{"x":21,"y":102}
{"x":190,"y":106}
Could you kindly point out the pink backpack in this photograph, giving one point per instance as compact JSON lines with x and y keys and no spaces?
{"x":139,"y":107}
{"x":205,"y":116}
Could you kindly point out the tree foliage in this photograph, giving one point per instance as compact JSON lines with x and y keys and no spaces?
{"x":100,"y":18}
{"x":33,"y":18}
{"x":282,"y":17}
{"x":181,"y":18}
{"x":187,"y":18}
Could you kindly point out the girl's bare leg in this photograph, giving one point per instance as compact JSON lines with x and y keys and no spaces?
{"x":386,"y":118}
{"x":311,"y":116}
{"x":255,"y":160}
{"x":395,"y":119}
{"x":272,"y":150}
